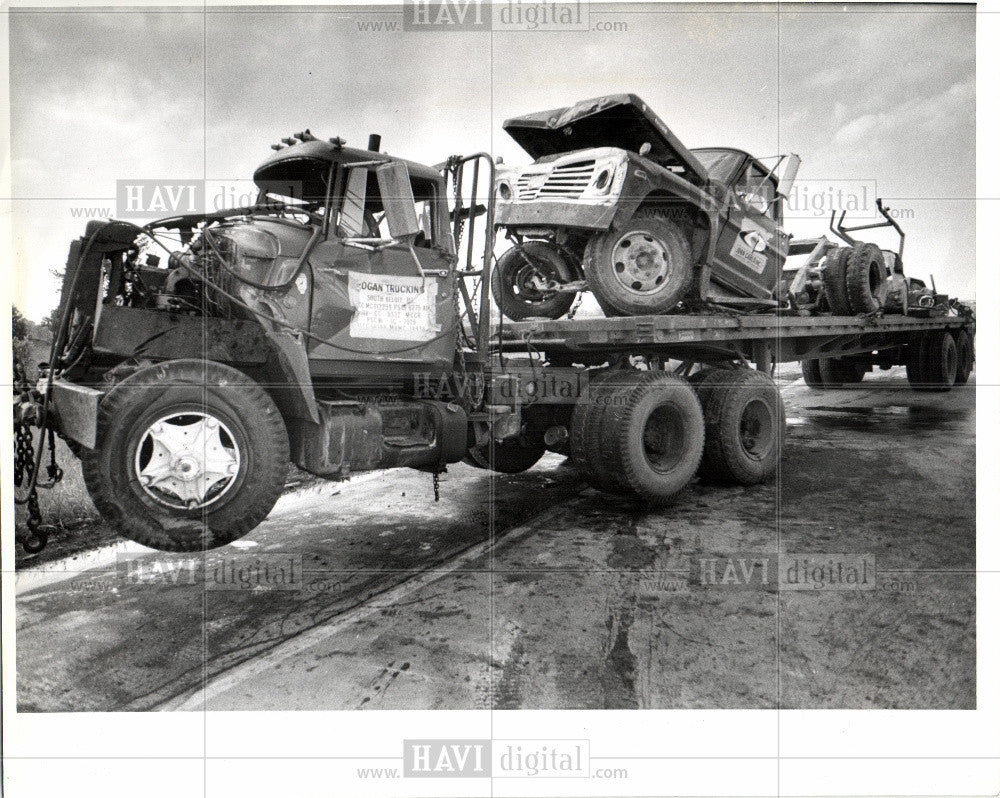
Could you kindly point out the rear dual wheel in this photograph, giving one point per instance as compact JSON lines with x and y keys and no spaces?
{"x":966,"y":357}
{"x":640,"y":434}
{"x":647,"y":434}
{"x":744,"y":426}
{"x":832,"y":372}
{"x":932,"y":363}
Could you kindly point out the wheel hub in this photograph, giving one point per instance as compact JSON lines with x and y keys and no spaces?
{"x":756,"y":430}
{"x":187,"y":460}
{"x":640,"y":262}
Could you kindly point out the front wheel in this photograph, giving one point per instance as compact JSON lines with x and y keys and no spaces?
{"x":192,"y":455}
{"x":644,"y":268}
{"x":525,"y":280}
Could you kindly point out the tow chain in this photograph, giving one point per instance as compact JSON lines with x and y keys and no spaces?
{"x":576,"y":305}
{"x":26,"y":459}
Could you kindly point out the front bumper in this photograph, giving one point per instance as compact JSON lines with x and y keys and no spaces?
{"x":76,"y":411}
{"x":556,"y":213}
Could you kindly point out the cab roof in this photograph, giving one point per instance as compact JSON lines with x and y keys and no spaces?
{"x":306,"y":164}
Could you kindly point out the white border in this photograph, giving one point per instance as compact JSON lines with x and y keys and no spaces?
{"x":742,"y":743}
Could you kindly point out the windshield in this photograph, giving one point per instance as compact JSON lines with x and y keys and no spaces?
{"x":720,"y":164}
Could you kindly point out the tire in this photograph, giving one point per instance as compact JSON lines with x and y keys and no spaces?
{"x":744,"y":427}
{"x":513,"y":291}
{"x":867,"y":282}
{"x":811,"y":374}
{"x":643,"y":268}
{"x":835,"y":281}
{"x":694,"y":380}
{"x":966,"y":356}
{"x":511,"y":456}
{"x":940,"y":361}
{"x":653,"y":441}
{"x":585,"y":437}
{"x":915,"y":356}
{"x":159,"y":412}
{"x":836,"y":373}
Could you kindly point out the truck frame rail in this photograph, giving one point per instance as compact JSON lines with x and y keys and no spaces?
{"x":708,"y":338}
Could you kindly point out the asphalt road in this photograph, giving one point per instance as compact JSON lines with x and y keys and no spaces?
{"x":531,"y":591}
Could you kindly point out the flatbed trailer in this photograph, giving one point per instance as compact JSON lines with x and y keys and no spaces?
{"x":758,"y":339}
{"x":671,"y":396}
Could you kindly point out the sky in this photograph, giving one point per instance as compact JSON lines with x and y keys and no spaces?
{"x":866,"y":95}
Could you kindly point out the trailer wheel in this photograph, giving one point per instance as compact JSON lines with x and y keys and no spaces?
{"x":916,"y":354}
{"x":520,"y":278}
{"x":835,"y":281}
{"x":744,"y":427}
{"x":653,"y":441}
{"x":811,"y":374}
{"x":940,"y":366}
{"x":966,"y":357}
{"x":867,"y":282}
{"x":837,"y":372}
{"x":510,"y":456}
{"x":192,"y":455}
{"x":643,"y":268}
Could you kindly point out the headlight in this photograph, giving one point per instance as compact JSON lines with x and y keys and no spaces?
{"x":604,"y":180}
{"x":505,"y":191}
{"x":252,"y":242}
{"x":252,"y":254}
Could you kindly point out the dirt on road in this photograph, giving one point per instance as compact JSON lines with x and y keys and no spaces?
{"x":531,"y":591}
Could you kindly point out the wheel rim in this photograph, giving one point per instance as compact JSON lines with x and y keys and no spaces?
{"x":187,"y":460}
{"x":756,"y":429}
{"x":640,"y":262}
{"x":664,"y":439}
{"x":533,"y":279}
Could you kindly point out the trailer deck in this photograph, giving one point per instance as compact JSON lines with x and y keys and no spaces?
{"x":722,"y":337}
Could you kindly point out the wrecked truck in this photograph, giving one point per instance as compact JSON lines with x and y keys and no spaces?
{"x":615,"y":204}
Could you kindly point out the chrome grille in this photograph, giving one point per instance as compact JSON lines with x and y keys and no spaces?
{"x":564,"y":182}
{"x":524,"y":192}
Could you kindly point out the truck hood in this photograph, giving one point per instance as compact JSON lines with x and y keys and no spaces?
{"x":616,"y":120}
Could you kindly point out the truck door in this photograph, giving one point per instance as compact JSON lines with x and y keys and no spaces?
{"x":384,"y":279}
{"x":752,"y":247}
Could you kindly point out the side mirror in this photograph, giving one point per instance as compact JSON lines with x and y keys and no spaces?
{"x":788,"y":175}
{"x":397,"y":199}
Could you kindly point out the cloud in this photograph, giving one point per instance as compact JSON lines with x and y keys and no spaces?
{"x":916,"y":116}
{"x":860,"y":92}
